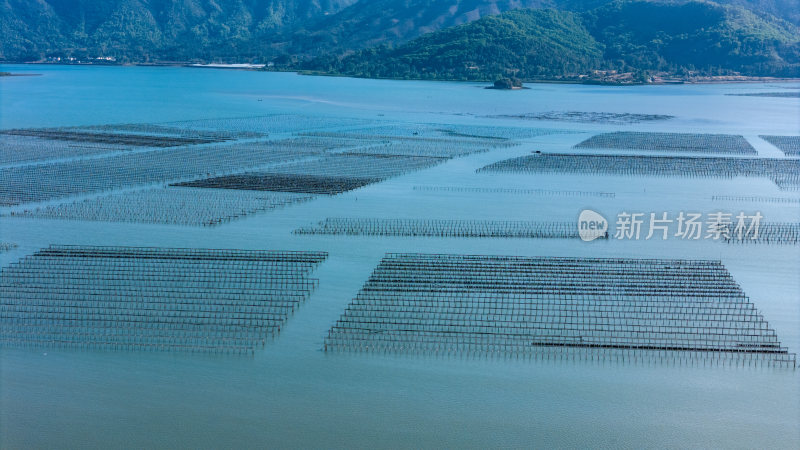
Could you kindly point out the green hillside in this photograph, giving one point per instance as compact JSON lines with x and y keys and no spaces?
{"x":701,"y":36}
{"x":524,"y":43}
{"x":431,"y":39}
{"x":155,"y":30}
{"x":636,"y":36}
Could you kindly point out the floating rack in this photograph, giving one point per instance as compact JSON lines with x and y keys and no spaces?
{"x":297,"y":183}
{"x":272,"y":123}
{"x":783,"y":172}
{"x":160,"y":299}
{"x":542,"y":192}
{"x":480,"y":132}
{"x":118,"y":138}
{"x":768,"y":94}
{"x":408,"y":135}
{"x":52,"y":181}
{"x":24,"y":149}
{"x":39,"y":144}
{"x":408,"y":147}
{"x":443,"y":228}
{"x":769,"y":233}
{"x":592,"y":308}
{"x":165,"y":130}
{"x":103,"y":158}
{"x":170,"y":206}
{"x":329,"y":175}
{"x":789,"y":145}
{"x":670,"y":142}
{"x":587,"y":117}
{"x":788,"y":182}
{"x":756,"y":199}
{"x":7,"y":246}
{"x":410,"y":143}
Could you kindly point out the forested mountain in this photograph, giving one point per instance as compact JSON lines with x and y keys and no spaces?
{"x":146,"y":30}
{"x":376,"y":22}
{"x":634,"y":36}
{"x":370,"y":23}
{"x":526,"y":43}
{"x":461,"y":39}
{"x":695,"y":36}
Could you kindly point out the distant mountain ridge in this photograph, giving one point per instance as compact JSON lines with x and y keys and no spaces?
{"x":369,"y":23}
{"x":634,"y":37}
{"x":522,"y":43}
{"x":374,"y":22}
{"x":292,"y":32}
{"x":152,"y":30}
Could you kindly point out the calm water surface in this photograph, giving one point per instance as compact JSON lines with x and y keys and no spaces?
{"x":290,"y":393}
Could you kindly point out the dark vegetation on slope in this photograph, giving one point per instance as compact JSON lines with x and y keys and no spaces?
{"x":431,"y":39}
{"x":636,"y":37}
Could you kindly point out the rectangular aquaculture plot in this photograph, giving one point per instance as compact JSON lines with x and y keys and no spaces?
{"x":273,"y":123}
{"x":101,"y":137}
{"x":359,"y":166}
{"x":443,"y":228}
{"x":165,"y":130}
{"x":490,"y":132}
{"x":670,"y":142}
{"x":514,"y":191}
{"x":51,"y":181}
{"x":768,"y":233}
{"x":769,"y":94}
{"x":756,"y":199}
{"x":426,"y":131}
{"x":789,"y":145}
{"x":170,"y":206}
{"x":24,"y":149}
{"x":788,"y":181}
{"x":409,"y":147}
{"x":163,"y":299}
{"x":557,"y":307}
{"x":587,"y":117}
{"x":39,"y":144}
{"x":331,"y":175}
{"x":6,"y":246}
{"x":309,"y":184}
{"x":327,"y":143}
{"x":784,"y":172}
{"x":433,"y":146}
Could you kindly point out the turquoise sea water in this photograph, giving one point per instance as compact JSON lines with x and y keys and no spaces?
{"x":290,"y":393}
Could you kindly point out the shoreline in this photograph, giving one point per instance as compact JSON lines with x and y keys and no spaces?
{"x":228,"y":66}
{"x":698,"y":80}
{"x":11,"y":74}
{"x":722,"y":79}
